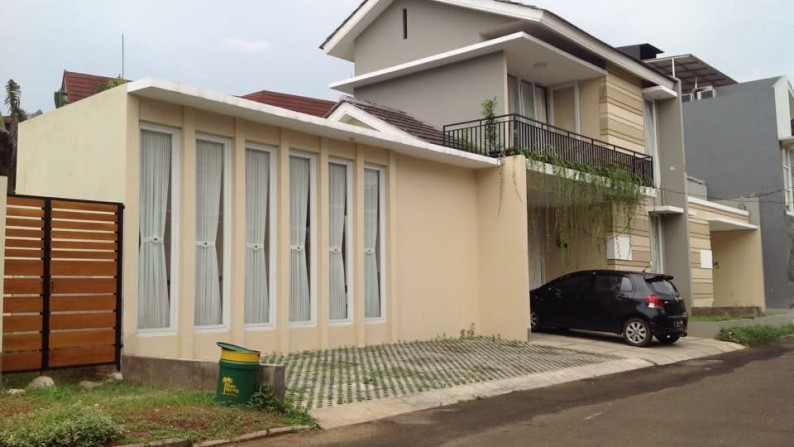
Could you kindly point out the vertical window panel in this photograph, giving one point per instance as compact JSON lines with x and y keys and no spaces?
{"x":300,"y":230}
{"x":373,"y":244}
{"x":154,"y":251}
{"x":257,"y":226}
{"x":209,"y":233}
{"x":338,"y":235}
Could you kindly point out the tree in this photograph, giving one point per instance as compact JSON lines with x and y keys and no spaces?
{"x":9,"y":136}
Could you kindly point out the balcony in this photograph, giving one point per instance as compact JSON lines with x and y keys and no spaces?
{"x":513,"y":134}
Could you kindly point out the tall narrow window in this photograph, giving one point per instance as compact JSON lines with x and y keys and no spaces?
{"x":655,"y":227}
{"x":788,"y":180}
{"x":210,"y":232}
{"x":154,"y":223}
{"x":300,"y":181}
{"x":257,"y":226}
{"x":651,"y":138}
{"x":405,"y":23}
{"x":338,"y":237}
{"x":373,"y":244}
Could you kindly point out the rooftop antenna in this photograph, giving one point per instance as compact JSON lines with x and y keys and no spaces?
{"x":122,"y":55}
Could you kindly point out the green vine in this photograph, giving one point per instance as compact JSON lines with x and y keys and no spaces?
{"x":111,"y":83}
{"x":589,"y":202}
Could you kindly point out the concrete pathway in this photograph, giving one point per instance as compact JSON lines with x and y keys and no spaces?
{"x":615,"y":357}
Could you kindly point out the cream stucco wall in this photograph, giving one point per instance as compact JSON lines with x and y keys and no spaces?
{"x":503,"y":249}
{"x":76,"y":151}
{"x":437,"y":254}
{"x":432,"y":28}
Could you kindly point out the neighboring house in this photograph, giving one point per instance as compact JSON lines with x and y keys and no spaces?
{"x":559,"y":94}
{"x":739,"y":140}
{"x":77,"y":86}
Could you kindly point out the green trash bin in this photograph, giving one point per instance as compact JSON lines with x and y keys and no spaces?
{"x":237,"y":374}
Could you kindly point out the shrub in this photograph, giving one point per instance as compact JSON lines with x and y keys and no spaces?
{"x":75,"y":425}
{"x":755,"y":335}
{"x":265,"y":400}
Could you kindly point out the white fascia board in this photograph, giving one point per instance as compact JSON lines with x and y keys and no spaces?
{"x":717,"y":206}
{"x":659,"y":92}
{"x":665,"y":210}
{"x":370,"y":120}
{"x":450,"y":57}
{"x":725,"y":224}
{"x":609,"y":53}
{"x":233,"y":106}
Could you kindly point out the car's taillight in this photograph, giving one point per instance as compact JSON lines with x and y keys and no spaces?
{"x":654,"y":302}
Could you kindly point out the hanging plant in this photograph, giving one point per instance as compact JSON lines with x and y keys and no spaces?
{"x":589,"y":202}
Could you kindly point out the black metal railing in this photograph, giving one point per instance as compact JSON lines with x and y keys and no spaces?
{"x":513,"y":134}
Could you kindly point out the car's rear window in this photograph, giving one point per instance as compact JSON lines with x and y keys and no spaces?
{"x":663,"y":286}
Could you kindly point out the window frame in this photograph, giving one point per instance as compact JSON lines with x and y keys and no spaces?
{"x":173,"y":289}
{"x":272,"y":233}
{"x":312,"y":234}
{"x":227,"y":234}
{"x":348,"y":240}
{"x":576,"y":105}
{"x":655,"y":129}
{"x":382,"y":242}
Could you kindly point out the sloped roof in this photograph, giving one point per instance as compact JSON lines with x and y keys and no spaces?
{"x":397,"y":118}
{"x":81,"y":85}
{"x":302,"y":104}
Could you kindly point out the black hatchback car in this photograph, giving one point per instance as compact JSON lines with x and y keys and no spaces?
{"x":637,"y":305}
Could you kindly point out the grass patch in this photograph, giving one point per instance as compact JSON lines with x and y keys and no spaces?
{"x":755,"y":335}
{"x":727,"y":317}
{"x":141,"y":413}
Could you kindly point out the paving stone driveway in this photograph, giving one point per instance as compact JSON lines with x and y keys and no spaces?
{"x":322,"y":379}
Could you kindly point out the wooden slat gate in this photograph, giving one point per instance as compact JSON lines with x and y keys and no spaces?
{"x":62,"y":297}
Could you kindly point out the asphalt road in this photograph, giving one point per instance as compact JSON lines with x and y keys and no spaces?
{"x":744,"y":398}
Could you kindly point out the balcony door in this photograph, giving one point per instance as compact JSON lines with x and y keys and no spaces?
{"x":526,"y":99}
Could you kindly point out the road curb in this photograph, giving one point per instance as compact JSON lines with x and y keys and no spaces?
{"x":271,"y":432}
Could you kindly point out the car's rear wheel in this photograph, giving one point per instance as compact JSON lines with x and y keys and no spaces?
{"x":534,"y":321}
{"x":668,"y":339}
{"x":637,"y":332}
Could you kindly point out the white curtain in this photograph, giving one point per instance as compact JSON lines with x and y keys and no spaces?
{"x":209,"y":182}
{"x":153,"y":300}
{"x":371,"y":243}
{"x":300,"y":301}
{"x":338,"y":208}
{"x":257,"y":180}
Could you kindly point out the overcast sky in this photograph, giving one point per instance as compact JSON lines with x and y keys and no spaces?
{"x":242,"y":46}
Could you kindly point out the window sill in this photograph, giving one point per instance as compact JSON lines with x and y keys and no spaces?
{"x":260,"y":327}
{"x":375,"y":320}
{"x":210,"y":329}
{"x":337,"y":323}
{"x":302,"y":325}
{"x":153,"y":333}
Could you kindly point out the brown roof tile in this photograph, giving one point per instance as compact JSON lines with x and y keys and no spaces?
{"x":399,"y":119}
{"x":302,"y":104}
{"x":81,"y":85}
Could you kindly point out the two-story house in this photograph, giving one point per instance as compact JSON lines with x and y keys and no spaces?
{"x":558,"y":95}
